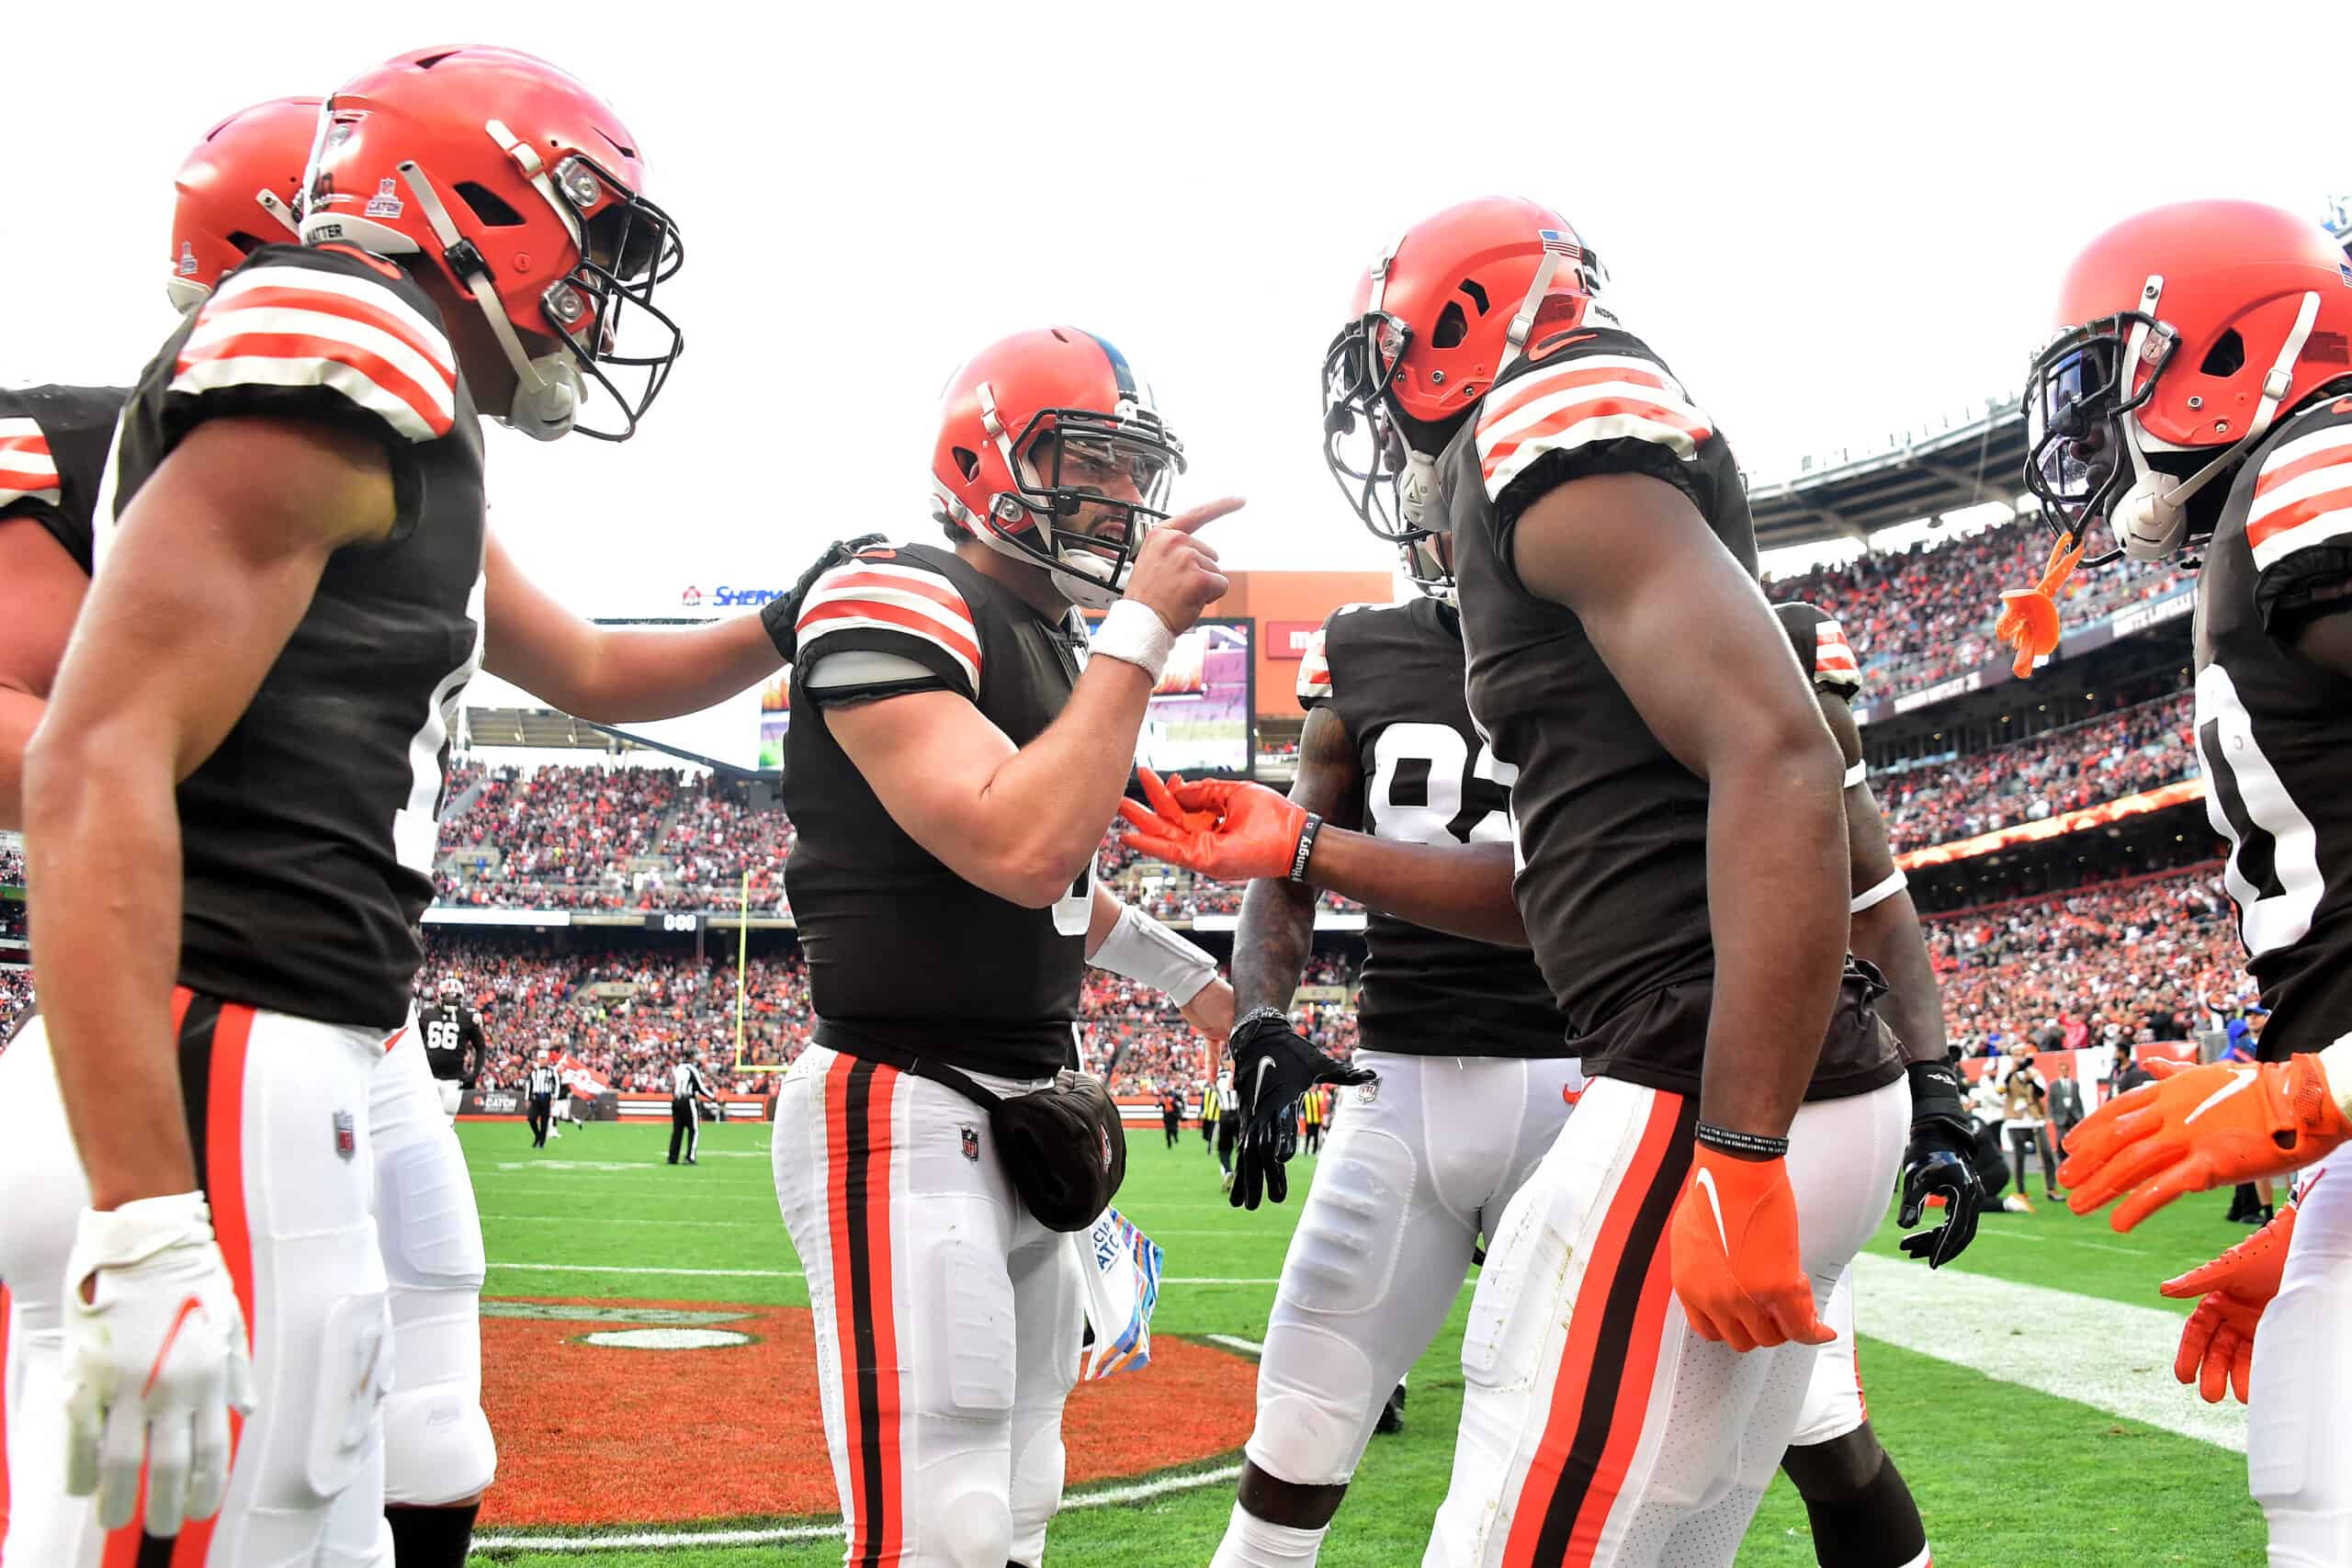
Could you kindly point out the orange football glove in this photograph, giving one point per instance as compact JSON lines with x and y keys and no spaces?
{"x":2029,"y":615}
{"x":2217,"y":1344}
{"x":1733,"y":1255}
{"x":2197,"y":1128}
{"x":1220,"y":827}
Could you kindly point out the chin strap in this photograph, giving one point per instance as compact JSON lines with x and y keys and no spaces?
{"x":546,"y":389}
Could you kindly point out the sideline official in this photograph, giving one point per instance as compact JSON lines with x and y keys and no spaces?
{"x":688,"y":1089}
{"x":542,"y":1090}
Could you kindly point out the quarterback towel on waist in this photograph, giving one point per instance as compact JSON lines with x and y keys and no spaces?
{"x":1063,"y":1145}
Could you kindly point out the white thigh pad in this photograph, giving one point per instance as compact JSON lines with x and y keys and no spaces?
{"x":427,"y":1223}
{"x":1343,"y":1258}
{"x":355,"y":1373}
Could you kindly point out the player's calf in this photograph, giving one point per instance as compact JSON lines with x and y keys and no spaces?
{"x":1862,"y":1512}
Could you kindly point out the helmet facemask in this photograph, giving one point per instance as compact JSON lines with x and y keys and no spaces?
{"x":2089,"y":460}
{"x":1390,"y":484}
{"x":1087,"y":487}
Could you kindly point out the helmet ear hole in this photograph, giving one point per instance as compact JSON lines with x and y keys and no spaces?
{"x":490,"y":207}
{"x":1452,"y":327}
{"x":967,"y":460}
{"x":2226,"y":357}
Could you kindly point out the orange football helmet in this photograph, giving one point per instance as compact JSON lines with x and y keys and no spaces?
{"x":1437,"y":316}
{"x":2184,"y":334}
{"x":526,"y":190}
{"x":995,"y":476}
{"x":252,"y":160}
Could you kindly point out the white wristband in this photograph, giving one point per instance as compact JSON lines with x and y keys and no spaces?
{"x":1142,"y":949}
{"x":2336,"y":1062}
{"x":1133,"y":634}
{"x":1858,"y":774}
{"x":1878,"y":894}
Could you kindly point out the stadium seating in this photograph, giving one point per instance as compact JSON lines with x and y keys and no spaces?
{"x":2083,"y":765}
{"x":2151,"y":958}
{"x":1924,"y":614}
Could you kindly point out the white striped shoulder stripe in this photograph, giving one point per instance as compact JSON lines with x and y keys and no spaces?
{"x":2303,"y":496}
{"x":1833,"y":657}
{"x":289,"y":326}
{"x":870,"y":596}
{"x":1314,"y":670}
{"x":28,"y":472}
{"x":1600,"y":397}
{"x":427,"y":337}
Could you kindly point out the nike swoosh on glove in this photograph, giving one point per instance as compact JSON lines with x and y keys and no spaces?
{"x":1940,"y":1160}
{"x":2197,"y":1128}
{"x":1225,"y":829}
{"x":2217,"y":1343}
{"x":1735,"y":1259}
{"x":1272,"y":1066}
{"x":155,"y":1360}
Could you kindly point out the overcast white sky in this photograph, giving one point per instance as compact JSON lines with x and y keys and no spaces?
{"x":1832,"y":220}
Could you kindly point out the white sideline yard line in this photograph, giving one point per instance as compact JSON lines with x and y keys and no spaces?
{"x":632,"y":1269}
{"x":790,"y":1273}
{"x":1235,"y":1342}
{"x":2109,"y":1355}
{"x":1103,"y":1498}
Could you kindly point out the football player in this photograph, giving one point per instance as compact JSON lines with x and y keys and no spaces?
{"x":454,"y":1045}
{"x":958,"y":751}
{"x":1475,"y":1080}
{"x":1683,"y":875}
{"x":2198,"y":393}
{"x":337,"y":607}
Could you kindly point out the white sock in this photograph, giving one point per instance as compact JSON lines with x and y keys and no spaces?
{"x":1251,"y":1542}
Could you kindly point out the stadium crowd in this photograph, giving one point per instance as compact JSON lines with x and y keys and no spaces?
{"x":2152,"y":959}
{"x":2028,"y":780}
{"x":1923,"y":614}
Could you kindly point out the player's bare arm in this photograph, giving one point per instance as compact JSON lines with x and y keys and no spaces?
{"x":1640,"y":568}
{"x":1270,"y":946}
{"x":45,"y":589}
{"x":1246,"y":832}
{"x":1886,"y":931}
{"x":215,"y":560}
{"x":1023,"y":822}
{"x":612,"y":675}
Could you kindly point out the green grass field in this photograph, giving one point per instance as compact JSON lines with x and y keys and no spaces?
{"x":2005,"y":1471}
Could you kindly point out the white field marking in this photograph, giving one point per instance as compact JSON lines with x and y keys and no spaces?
{"x":1101,"y":1497}
{"x":602,"y":1222}
{"x":576,"y":1165}
{"x":2110,"y":1355}
{"x":1235,"y":1342}
{"x":506,"y":1188}
{"x":783,"y":1273}
{"x":692,"y":1273}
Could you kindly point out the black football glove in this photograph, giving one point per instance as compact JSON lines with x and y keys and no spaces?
{"x":780,"y":616}
{"x":1941,"y":1159}
{"x":1272,"y":1067}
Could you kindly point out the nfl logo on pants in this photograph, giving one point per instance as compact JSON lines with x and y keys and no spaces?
{"x":346,"y":1135}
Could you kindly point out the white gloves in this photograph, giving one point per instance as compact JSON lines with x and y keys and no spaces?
{"x":156,"y":1359}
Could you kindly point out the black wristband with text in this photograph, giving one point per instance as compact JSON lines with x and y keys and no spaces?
{"x":1305,"y":848}
{"x":1753,"y":1145}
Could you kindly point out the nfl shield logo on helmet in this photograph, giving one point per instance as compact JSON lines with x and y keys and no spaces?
{"x":346,"y":1135}
{"x":386,"y":202}
{"x":187,"y":259}
{"x":972,"y":1144}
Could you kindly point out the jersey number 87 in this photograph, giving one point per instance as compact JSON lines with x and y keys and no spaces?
{"x":1427,"y":788}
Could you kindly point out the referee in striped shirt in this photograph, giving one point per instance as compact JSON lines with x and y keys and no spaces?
{"x":688,"y":1089}
{"x":544,"y":1083}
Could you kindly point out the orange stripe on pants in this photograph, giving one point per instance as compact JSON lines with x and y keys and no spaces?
{"x":1572,"y":1467}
